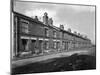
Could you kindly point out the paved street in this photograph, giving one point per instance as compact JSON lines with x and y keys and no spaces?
{"x":57,"y":55}
{"x":66,"y":61}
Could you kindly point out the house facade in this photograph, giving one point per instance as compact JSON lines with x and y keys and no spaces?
{"x":32,"y":36}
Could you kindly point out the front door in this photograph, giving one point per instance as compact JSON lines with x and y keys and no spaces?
{"x":40,"y":46}
{"x":24,"y":43}
{"x":33,"y":46}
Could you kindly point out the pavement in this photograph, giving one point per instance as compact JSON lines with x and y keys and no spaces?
{"x":23,"y":62}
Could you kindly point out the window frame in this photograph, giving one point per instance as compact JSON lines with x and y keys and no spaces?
{"x":46,"y":44}
{"x":46,"y":32}
{"x":54,"y":44}
{"x":54,"y":34}
{"x":24,"y":26}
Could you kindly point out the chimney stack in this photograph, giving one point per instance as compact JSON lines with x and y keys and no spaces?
{"x":62,"y":27}
{"x":78,"y":34}
{"x":75,"y":32}
{"x":45,"y":18}
{"x":50,"y":21}
{"x":36,"y":18}
{"x":69,"y":29}
{"x":86,"y":37}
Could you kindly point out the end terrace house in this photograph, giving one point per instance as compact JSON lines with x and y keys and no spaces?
{"x":31,"y":36}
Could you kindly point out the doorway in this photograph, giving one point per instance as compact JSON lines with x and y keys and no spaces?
{"x":40,"y":46}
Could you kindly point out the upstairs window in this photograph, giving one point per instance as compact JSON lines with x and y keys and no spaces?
{"x":58,"y":45}
{"x":55,"y":45}
{"x":46,"y":32}
{"x":63,"y":45}
{"x":62,"y":34}
{"x":54,"y":34}
{"x":24,"y":26}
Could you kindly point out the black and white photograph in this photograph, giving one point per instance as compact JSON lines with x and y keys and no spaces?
{"x":52,"y":37}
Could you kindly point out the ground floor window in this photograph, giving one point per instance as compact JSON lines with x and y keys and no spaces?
{"x":73,"y":44}
{"x":55,"y":45}
{"x":69,"y":45}
{"x":46,"y":45}
{"x":63,"y":45}
{"x":58,"y":45}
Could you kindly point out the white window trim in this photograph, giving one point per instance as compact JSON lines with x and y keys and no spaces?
{"x":25,"y":37}
{"x":34,"y":38}
{"x":46,"y":39}
{"x":54,"y":40}
{"x":40,"y":38}
{"x":57,"y":40}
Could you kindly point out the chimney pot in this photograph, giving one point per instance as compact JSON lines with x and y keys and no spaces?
{"x":45,"y":18}
{"x":62,"y":27}
{"x":36,"y":18}
{"x":69,"y":29}
{"x":50,"y":21}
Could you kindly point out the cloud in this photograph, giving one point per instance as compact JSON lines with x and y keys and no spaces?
{"x":39,"y":12}
{"x":82,"y":8}
{"x":22,"y":6}
{"x":80,"y":19}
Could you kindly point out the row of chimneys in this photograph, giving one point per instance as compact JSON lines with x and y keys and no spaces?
{"x":46,"y":19}
{"x":69,"y":30}
{"x":49,"y":21}
{"x":79,"y":34}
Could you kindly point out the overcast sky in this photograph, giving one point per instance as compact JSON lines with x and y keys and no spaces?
{"x":78,"y":18}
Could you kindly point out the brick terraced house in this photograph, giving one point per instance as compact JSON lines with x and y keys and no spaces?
{"x":33,"y":37}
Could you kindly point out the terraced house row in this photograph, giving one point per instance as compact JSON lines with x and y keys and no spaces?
{"x":31,"y":36}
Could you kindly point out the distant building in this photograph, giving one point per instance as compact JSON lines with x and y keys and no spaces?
{"x":34,"y":37}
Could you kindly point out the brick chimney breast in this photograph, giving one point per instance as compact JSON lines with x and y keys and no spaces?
{"x":62,"y":27}
{"x":75,"y":32}
{"x":78,"y":34}
{"x":45,"y":18}
{"x":50,"y":21}
{"x":36,"y":18}
{"x":69,"y":29}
